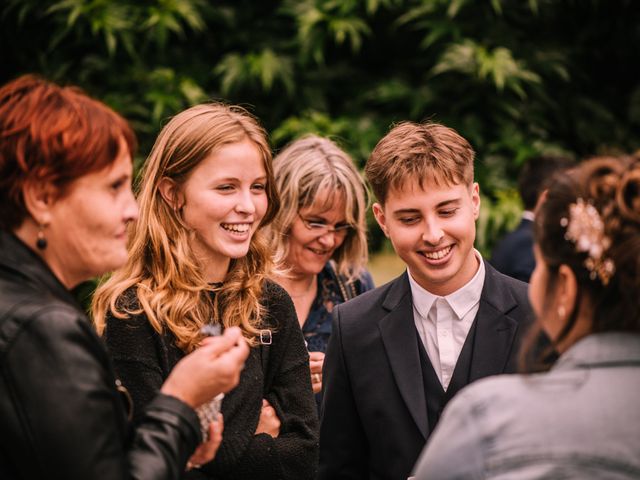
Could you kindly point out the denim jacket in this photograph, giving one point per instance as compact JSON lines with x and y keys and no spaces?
{"x":580,"y":420}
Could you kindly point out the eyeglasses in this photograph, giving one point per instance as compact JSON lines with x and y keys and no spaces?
{"x":320,"y":228}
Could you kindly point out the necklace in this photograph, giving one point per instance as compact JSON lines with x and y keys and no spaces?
{"x":306,"y":290}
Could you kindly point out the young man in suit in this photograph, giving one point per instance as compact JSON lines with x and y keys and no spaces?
{"x":397,"y":354}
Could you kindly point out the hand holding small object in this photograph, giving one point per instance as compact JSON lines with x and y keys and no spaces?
{"x":209,"y":370}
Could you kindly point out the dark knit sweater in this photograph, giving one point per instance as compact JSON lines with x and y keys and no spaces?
{"x":143,"y":360}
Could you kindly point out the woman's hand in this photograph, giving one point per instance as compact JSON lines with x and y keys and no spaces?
{"x":209,"y":370}
{"x":206,"y":451}
{"x":316,"y":360}
{"x":269,"y":422}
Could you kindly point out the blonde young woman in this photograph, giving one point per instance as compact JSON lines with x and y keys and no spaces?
{"x":321,"y":236}
{"x":198,"y":256}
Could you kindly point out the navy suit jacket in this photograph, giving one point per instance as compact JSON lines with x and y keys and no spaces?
{"x":513,"y":255}
{"x":374,"y":412}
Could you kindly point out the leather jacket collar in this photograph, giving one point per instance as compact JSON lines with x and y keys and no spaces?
{"x":22,"y":264}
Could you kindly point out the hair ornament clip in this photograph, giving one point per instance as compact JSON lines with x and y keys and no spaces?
{"x":586,"y":230}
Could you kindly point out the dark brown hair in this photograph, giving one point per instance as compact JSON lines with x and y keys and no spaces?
{"x":52,"y":134}
{"x":535,"y":173}
{"x":419,"y":152}
{"x":612,"y":186}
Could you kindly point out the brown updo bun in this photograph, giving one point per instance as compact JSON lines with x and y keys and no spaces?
{"x":612,"y":186}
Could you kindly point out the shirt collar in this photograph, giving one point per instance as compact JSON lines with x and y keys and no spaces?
{"x":422,"y":299}
{"x":461,"y":301}
{"x":528,"y":215}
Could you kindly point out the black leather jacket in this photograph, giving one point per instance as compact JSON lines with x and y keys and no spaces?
{"x":61,"y":415}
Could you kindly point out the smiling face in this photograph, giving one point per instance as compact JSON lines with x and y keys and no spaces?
{"x":87,"y":228}
{"x":432,"y":230}
{"x":223,"y":201}
{"x":310,"y":250}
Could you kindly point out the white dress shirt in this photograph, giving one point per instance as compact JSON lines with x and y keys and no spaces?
{"x":443,"y":323}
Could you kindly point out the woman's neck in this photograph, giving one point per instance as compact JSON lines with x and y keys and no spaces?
{"x":66,"y":274}
{"x":299,"y":286}
{"x":214,"y":270}
{"x":302,"y":289}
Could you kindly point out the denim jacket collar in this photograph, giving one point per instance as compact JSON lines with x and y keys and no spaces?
{"x":602,"y":350}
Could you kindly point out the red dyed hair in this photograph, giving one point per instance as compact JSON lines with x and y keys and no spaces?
{"x":52,"y":134}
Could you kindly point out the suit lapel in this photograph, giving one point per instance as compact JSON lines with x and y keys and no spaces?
{"x":398,"y":333}
{"x":495,"y":330}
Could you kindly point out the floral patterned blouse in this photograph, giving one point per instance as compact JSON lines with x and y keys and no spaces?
{"x":331,"y":292}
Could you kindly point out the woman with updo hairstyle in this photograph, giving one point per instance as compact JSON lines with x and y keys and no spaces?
{"x":319,"y":236}
{"x":199,"y":259}
{"x":65,"y":203}
{"x":580,"y":419}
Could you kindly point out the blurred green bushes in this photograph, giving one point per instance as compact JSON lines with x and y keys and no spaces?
{"x":516,"y":78}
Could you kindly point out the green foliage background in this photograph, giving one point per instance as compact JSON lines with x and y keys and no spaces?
{"x":514,"y":77}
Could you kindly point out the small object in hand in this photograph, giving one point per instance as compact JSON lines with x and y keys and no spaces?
{"x":208,"y":412}
{"x":316,"y":377}
{"x":211,"y":330}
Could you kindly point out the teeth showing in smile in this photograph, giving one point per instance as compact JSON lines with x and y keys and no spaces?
{"x":318,"y":252}
{"x":438,"y":254}
{"x":236,"y":227}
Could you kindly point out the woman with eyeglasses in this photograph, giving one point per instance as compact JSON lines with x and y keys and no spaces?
{"x":319,"y":235}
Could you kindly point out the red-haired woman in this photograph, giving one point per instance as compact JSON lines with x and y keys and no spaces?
{"x":65,"y":202}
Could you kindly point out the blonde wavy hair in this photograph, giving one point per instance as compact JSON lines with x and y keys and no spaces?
{"x":162,"y":268}
{"x":305,"y":168}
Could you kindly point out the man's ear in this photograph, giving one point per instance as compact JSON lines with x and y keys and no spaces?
{"x":39,"y":197}
{"x":170,"y":193}
{"x":475,"y":200}
{"x":378,"y":212}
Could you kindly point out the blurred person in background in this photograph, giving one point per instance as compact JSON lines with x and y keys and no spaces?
{"x":513,"y":255}
{"x":65,"y":202}
{"x":579,"y":419}
{"x":319,"y":236}
{"x":198,"y":256}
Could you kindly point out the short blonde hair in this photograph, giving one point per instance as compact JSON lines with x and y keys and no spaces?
{"x":302,"y":170}
{"x":419,"y":152}
{"x":162,"y":268}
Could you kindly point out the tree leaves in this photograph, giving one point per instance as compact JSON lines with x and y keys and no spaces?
{"x":321,"y":23}
{"x":497,"y":66}
{"x":261,"y":70}
{"x":515,"y":78}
